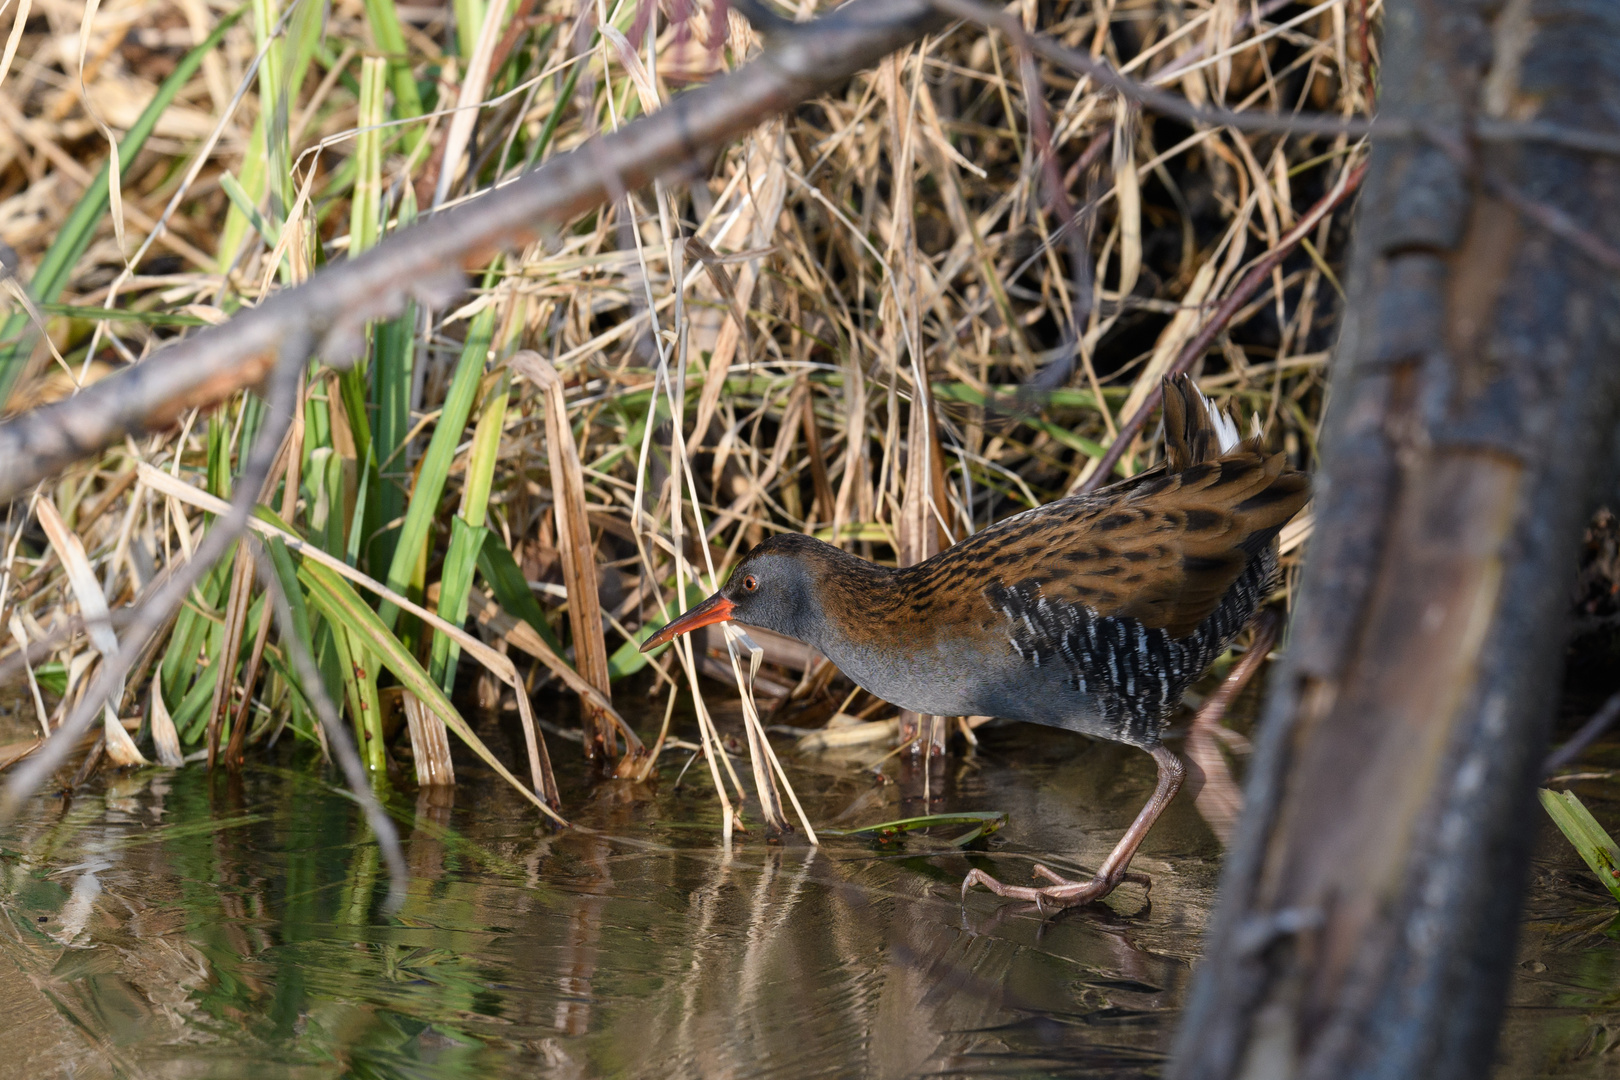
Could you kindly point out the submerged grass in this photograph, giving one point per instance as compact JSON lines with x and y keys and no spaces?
{"x":736,"y":354}
{"x":1595,"y":846}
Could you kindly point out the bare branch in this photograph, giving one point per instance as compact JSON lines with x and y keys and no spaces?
{"x":1160,"y":101}
{"x":427,"y":261}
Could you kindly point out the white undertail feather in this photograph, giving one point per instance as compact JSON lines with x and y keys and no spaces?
{"x":1224,"y":427}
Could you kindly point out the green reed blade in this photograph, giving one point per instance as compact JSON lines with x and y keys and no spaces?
{"x":390,"y":38}
{"x":564,"y":96}
{"x":454,"y":587}
{"x":393,"y":344}
{"x":365,"y":205}
{"x":470,"y":15}
{"x":144,"y":318}
{"x":983,"y":822}
{"x":337,"y":600}
{"x":191,"y":632}
{"x":362,"y":498}
{"x":266,"y":168}
{"x":467,"y":530}
{"x":243,"y":203}
{"x":360,"y":690}
{"x":281,"y":561}
{"x":501,"y":573}
{"x":424,"y":502}
{"x":1591,"y":840}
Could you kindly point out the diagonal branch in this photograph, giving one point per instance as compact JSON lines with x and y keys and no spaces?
{"x":427,"y":262}
{"x":1240,"y":294}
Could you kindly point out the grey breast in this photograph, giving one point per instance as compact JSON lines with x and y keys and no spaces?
{"x":1062,"y":664}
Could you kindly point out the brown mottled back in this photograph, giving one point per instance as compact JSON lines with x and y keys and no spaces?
{"x":1162,"y":548}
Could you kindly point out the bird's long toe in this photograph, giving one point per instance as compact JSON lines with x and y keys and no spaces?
{"x":1062,"y":892}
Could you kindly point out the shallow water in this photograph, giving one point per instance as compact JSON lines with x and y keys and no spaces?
{"x":169,"y":925}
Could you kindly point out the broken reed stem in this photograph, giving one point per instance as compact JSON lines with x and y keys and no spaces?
{"x":155,"y":611}
{"x":93,"y":603}
{"x":236,"y":611}
{"x":575,"y":550}
{"x":430,"y":743}
{"x":770,"y":798}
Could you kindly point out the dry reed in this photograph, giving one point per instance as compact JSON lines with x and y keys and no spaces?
{"x":888,"y":318}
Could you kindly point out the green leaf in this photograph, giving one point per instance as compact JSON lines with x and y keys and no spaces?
{"x":501,"y":573}
{"x":389,"y":35}
{"x":393,"y":344}
{"x":1590,"y":840}
{"x":441,"y":452}
{"x":191,"y":716}
{"x":365,"y":207}
{"x":360,"y":688}
{"x":281,"y":561}
{"x":145,"y":318}
{"x":191,"y":630}
{"x":984,"y":823}
{"x":52,"y":677}
{"x":336,"y":599}
{"x":564,"y":97}
{"x":454,"y":586}
{"x":271,"y":234}
{"x":467,"y":530}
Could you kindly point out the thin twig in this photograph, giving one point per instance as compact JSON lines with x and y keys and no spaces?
{"x":1212,"y":327}
{"x":313,"y":686}
{"x":1567,"y":754}
{"x":1160,"y":101}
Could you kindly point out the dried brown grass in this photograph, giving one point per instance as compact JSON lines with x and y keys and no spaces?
{"x":786,"y":308}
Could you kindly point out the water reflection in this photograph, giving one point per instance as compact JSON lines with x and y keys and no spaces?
{"x":167,"y":926}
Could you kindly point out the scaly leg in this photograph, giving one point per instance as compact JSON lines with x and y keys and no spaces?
{"x":1116,"y":869}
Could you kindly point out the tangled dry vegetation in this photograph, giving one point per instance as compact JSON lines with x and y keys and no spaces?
{"x":736,"y":353}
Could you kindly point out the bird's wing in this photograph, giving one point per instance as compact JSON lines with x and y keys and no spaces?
{"x":1167,"y":551}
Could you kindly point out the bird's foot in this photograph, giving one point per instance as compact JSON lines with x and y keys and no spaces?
{"x":1061,"y":893}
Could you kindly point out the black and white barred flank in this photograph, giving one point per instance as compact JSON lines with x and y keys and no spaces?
{"x":1130,"y":676}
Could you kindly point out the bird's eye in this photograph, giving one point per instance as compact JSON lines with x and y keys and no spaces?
{"x":750,"y":583}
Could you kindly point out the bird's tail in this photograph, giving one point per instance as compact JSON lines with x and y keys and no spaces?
{"x":1194,"y":429}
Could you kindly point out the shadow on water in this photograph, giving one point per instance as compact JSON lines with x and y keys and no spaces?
{"x":166,"y":925}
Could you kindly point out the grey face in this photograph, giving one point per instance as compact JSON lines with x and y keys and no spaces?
{"x":774,"y":587}
{"x":773,"y":591}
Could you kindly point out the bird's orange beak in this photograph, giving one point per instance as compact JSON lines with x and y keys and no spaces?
{"x":715,"y":609}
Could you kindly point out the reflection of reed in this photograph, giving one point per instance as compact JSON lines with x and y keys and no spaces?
{"x":743,"y":960}
{"x":582,"y":952}
{"x":627,"y":951}
{"x":425,"y":850}
{"x":921,"y":781}
{"x":241,"y":897}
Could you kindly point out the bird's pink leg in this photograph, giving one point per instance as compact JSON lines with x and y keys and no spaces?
{"x":1116,"y":869}
{"x":1218,"y":798}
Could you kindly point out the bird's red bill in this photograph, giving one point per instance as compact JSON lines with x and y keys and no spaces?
{"x":715,"y":609}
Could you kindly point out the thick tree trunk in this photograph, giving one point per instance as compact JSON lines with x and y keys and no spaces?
{"x":1368,"y":910}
